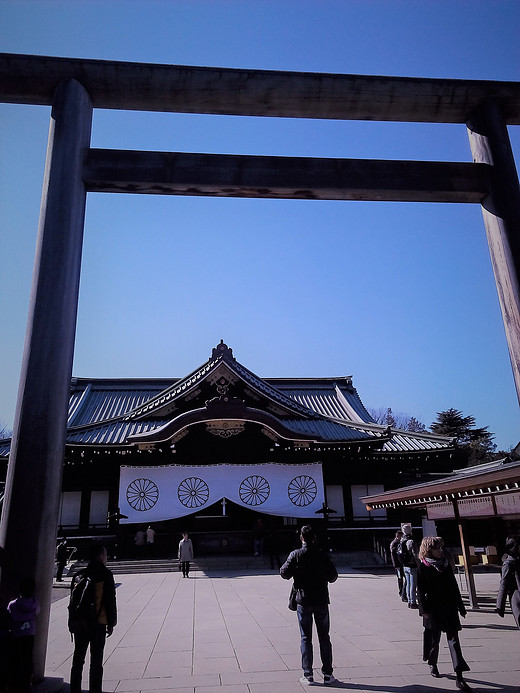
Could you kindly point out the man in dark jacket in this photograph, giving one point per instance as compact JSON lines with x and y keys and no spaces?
{"x":62,"y":555}
{"x":398,"y":566}
{"x":94,"y":630}
{"x":510,"y":580}
{"x":312,"y":570}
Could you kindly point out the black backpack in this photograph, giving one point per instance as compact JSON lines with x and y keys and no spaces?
{"x":404,"y":555}
{"x":82,"y":603}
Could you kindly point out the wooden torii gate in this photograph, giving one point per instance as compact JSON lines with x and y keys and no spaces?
{"x":74,"y":87}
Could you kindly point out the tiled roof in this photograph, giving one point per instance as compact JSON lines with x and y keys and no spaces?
{"x":403,"y":441}
{"x":106,"y":411}
{"x":102,"y":400}
{"x":110,"y":433}
{"x":501,"y":475}
{"x":333,"y":397}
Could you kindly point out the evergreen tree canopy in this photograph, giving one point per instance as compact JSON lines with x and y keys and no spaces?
{"x":474,"y":444}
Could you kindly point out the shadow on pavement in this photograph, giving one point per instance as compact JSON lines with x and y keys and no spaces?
{"x":420,"y":688}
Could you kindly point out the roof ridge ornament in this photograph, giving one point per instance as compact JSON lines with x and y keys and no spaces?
{"x":222,"y":351}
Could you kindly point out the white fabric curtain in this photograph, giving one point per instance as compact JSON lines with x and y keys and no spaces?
{"x":152,"y":494}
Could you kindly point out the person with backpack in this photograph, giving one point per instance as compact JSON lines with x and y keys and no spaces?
{"x":92,"y":617}
{"x":398,"y":566}
{"x":407,"y":553}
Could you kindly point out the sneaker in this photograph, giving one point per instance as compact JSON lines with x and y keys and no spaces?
{"x":328,"y":679}
{"x":434,"y":671}
{"x":307,"y":680}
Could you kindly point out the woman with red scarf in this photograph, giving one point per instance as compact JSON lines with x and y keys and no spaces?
{"x":440,"y":604}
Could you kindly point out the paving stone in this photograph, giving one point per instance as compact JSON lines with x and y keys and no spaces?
{"x":223,"y":632}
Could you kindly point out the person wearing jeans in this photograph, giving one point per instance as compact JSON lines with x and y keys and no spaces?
{"x":408,"y":557}
{"x":398,"y":567}
{"x":312,"y":570}
{"x":410,"y":576}
{"x":322,"y":621}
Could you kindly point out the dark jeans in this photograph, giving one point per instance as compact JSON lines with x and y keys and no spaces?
{"x":185,"y":567}
{"x":401,"y":582}
{"x":431,"y":640}
{"x":322,"y":621}
{"x":20,"y":664}
{"x":59,"y":572}
{"x":95,"y":636}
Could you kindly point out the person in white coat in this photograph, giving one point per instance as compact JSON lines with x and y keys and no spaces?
{"x":185,"y":554}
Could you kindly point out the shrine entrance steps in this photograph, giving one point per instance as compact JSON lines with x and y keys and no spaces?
{"x":206,"y":564}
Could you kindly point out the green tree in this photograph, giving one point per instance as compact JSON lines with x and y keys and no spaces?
{"x":474,"y":445}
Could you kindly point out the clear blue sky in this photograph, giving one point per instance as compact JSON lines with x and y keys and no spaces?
{"x":400,"y":296}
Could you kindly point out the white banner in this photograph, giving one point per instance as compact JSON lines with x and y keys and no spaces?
{"x":152,"y":494}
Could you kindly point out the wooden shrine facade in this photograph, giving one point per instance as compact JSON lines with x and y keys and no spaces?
{"x":480,"y":502}
{"x":224,"y":414}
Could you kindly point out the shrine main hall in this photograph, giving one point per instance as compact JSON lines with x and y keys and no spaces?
{"x":221,"y":449}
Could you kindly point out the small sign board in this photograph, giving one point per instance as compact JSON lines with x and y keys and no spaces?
{"x":508,"y":503}
{"x":440,"y":511}
{"x":480,"y":506}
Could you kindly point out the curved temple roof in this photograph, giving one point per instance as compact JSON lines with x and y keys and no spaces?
{"x":116,"y":412}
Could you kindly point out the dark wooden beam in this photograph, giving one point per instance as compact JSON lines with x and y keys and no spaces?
{"x":32,"y":79}
{"x":490,"y":144}
{"x":225,"y":175}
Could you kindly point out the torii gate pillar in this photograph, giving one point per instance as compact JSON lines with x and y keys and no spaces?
{"x":33,"y":487}
{"x":490,"y":144}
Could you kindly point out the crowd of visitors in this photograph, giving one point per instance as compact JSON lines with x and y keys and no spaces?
{"x":425,"y":581}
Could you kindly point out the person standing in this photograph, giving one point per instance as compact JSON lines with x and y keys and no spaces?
{"x":398,"y":566}
{"x":258,"y":539}
{"x":92,"y":630}
{"x":273,"y":549}
{"x":62,"y":555}
{"x":23,"y":612}
{"x":185,"y":554}
{"x":312,"y":571}
{"x":140,"y":542}
{"x":407,"y":555}
{"x":150,"y":540}
{"x":510,"y":580}
{"x":440,"y":604}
